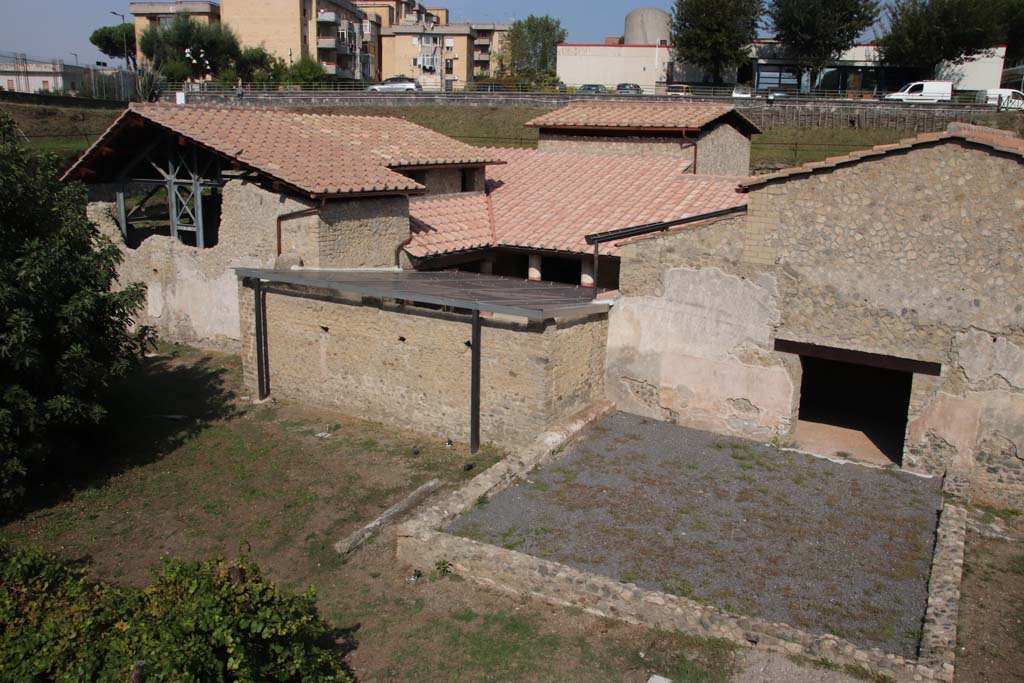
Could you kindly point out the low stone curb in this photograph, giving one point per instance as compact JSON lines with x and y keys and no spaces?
{"x":353,"y":541}
{"x":422,"y":542}
{"x":938,"y":639}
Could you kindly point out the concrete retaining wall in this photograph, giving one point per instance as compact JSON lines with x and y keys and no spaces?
{"x":797,"y":114}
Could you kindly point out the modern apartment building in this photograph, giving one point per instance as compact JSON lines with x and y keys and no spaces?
{"x":437,"y":56}
{"x":488,"y":44}
{"x":336,"y":32}
{"x":148,"y":14}
{"x":393,"y":12}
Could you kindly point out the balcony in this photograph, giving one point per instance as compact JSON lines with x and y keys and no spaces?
{"x":326,"y":17}
{"x":345,"y":72}
{"x":330,"y":68}
{"x":481,"y":56}
{"x":481,"y":41}
{"x":345,"y":48}
{"x":324,"y":43}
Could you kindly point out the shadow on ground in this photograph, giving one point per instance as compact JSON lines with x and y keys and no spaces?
{"x":165,"y":403}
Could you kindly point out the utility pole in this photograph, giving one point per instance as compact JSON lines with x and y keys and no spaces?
{"x":124,"y":38}
{"x":75,"y":55}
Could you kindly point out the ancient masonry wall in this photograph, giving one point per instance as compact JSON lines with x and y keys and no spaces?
{"x":667,"y":146}
{"x":914,"y":255}
{"x":410,"y":366}
{"x":723,"y":150}
{"x":192,"y":293}
{"x":423,"y":544}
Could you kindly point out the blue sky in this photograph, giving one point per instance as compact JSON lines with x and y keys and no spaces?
{"x":56,"y":28}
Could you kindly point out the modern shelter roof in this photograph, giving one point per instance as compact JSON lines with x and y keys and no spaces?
{"x":469,"y":291}
{"x":553,"y":200}
{"x":620,"y":115}
{"x":994,"y":139}
{"x":321,"y":155}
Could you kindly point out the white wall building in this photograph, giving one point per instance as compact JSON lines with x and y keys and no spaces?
{"x":609,"y":65}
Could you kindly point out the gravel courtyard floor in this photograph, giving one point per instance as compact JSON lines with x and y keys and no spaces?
{"x":827,"y":547}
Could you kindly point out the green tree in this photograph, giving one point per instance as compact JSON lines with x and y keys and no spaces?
{"x":1014,"y":23}
{"x":531,"y":49}
{"x":113,"y":41}
{"x":815,"y":32}
{"x":65,"y":335}
{"x":307,"y":70}
{"x":927,"y":33}
{"x":186,"y":47}
{"x":715,"y":34}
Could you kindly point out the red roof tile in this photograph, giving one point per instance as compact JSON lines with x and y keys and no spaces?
{"x":640,"y":115}
{"x":317,"y":154}
{"x":994,"y":139}
{"x":552,"y":200}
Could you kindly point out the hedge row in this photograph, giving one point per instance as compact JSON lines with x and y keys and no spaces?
{"x":200,"y":621}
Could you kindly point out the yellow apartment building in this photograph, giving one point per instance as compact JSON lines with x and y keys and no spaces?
{"x":336,"y":32}
{"x":437,"y":56}
{"x":146,"y":14}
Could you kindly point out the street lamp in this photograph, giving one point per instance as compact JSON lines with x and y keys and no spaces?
{"x":75,"y":55}
{"x":124,"y":38}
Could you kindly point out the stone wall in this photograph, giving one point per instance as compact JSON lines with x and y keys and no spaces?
{"x":192,"y":293}
{"x":410,"y":366}
{"x":723,"y":150}
{"x":658,"y":146}
{"x":914,"y":255}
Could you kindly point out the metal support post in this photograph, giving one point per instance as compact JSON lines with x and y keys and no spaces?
{"x":197,"y":199}
{"x":261,"y":340}
{"x":122,"y":215}
{"x":474,"y":392}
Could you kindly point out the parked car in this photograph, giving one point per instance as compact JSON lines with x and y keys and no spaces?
{"x":591,"y":89}
{"x":397,"y":84}
{"x":743,"y":91}
{"x":628,"y":89}
{"x":678,"y":90}
{"x":923,"y":91}
{"x":1005,"y":97}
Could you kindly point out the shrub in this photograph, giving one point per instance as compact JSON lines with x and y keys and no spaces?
{"x":65,"y":335}
{"x":198,"y":621}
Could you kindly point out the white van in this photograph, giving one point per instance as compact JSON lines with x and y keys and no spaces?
{"x":924,"y":91}
{"x":1010,"y":99}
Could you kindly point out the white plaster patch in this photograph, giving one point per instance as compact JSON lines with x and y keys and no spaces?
{"x":984,"y":356}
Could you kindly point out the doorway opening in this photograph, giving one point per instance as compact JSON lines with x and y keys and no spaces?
{"x":853,"y":410}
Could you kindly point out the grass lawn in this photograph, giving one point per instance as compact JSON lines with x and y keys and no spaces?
{"x":68,"y":131}
{"x":191,"y":468}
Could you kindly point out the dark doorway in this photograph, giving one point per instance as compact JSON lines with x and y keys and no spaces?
{"x":859,"y":398}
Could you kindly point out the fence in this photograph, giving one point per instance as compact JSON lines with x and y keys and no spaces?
{"x":766,"y":114}
{"x":21,"y":73}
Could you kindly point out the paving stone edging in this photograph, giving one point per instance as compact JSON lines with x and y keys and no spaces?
{"x":422,"y":543}
{"x":938,"y":638}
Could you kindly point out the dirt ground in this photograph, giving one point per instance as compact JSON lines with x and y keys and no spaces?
{"x":192,"y":469}
{"x":991,"y":624}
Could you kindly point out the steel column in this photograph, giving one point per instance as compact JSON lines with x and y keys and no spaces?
{"x":197,"y":199}
{"x":172,"y":198}
{"x":122,"y":216}
{"x":261,"y":340}
{"x":474,"y":391}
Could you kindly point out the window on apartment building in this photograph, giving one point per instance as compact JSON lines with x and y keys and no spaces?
{"x":449,"y":66}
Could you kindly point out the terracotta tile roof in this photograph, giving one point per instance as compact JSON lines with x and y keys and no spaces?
{"x":321,"y":155}
{"x":641,"y":115}
{"x":994,"y":139}
{"x":552,"y":200}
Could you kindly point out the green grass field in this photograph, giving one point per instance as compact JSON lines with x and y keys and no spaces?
{"x":67,"y":131}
